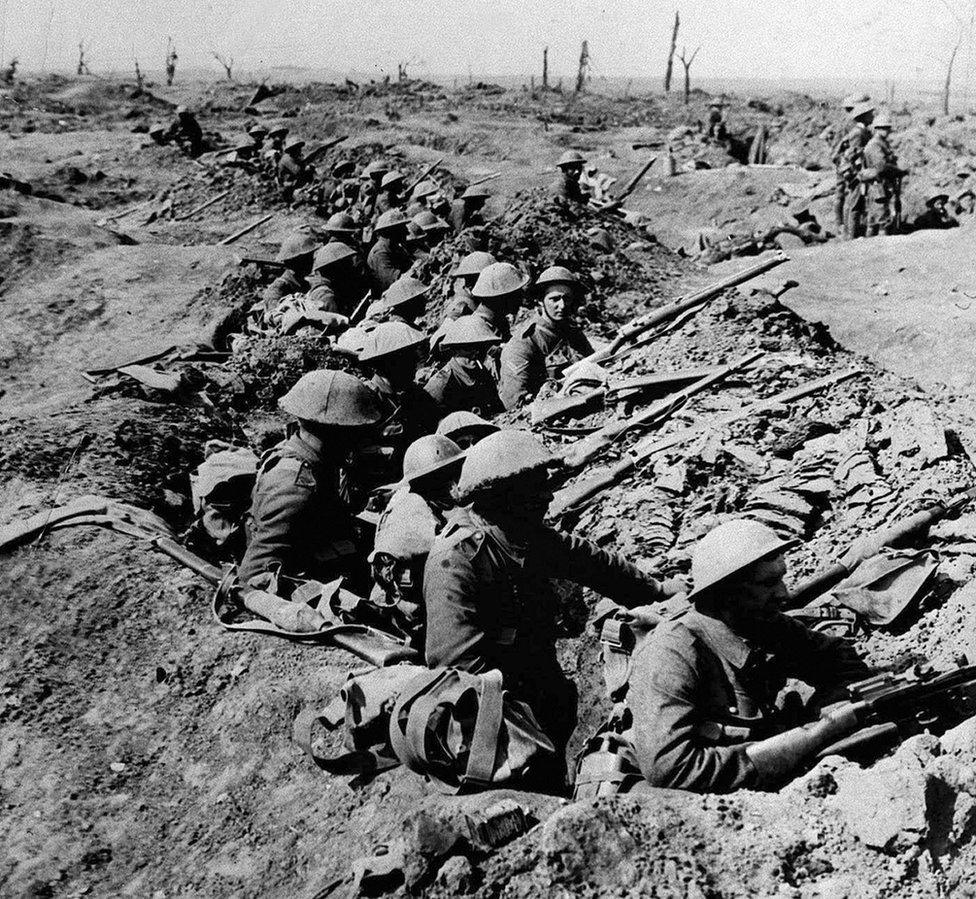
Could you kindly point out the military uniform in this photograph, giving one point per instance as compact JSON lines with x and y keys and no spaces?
{"x":459,"y":303}
{"x":186,"y":131}
{"x":462,"y":215}
{"x":332,"y":294}
{"x":285,"y":284}
{"x":490,"y":605}
{"x":881,"y":162}
{"x":700,"y":692}
{"x":387,"y":261}
{"x":566,"y":189}
{"x":848,"y":162}
{"x":539,"y":350}
{"x":298,"y":523}
{"x":385,"y":202}
{"x":457,"y":387}
{"x":292,"y":174}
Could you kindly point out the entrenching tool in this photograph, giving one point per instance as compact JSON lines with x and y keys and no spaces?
{"x":577,"y":497}
{"x":642,"y":324}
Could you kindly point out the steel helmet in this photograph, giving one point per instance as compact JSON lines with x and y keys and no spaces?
{"x":391,"y":220}
{"x":862,"y":110}
{"x":424,"y":189}
{"x":296,"y":245}
{"x":469,"y":330}
{"x":244,"y":145}
{"x":182,"y":110}
{"x":341,"y":223}
{"x":473,"y":264}
{"x":571,"y":159}
{"x":427,"y":221}
{"x":294,"y":143}
{"x":278,"y":130}
{"x":938,"y":198}
{"x":498,"y":458}
{"x":389,"y":338}
{"x":257,"y":131}
{"x":476,"y":192}
{"x":556,"y":274}
{"x":415,"y":233}
{"x":332,"y":397}
{"x":391,"y":179}
{"x":403,"y":290}
{"x":499,"y":279}
{"x":343,"y":167}
{"x":461,"y":424}
{"x":852,"y":100}
{"x":429,"y":455}
{"x":330,"y":254}
{"x":730,"y":548}
{"x":882,"y":120}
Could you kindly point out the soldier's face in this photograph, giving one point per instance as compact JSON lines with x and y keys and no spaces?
{"x":763,"y":588}
{"x":558,"y":303}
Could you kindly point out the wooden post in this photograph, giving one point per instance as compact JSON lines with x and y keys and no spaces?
{"x":669,"y":70}
{"x":545,"y":68}
{"x":584,"y":64}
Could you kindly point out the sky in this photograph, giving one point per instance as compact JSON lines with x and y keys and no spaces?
{"x":906,"y":41}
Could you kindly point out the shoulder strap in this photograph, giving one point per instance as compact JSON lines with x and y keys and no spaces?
{"x":484,"y":743}
{"x":409,"y":750}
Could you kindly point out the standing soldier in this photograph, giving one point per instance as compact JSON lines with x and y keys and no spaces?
{"x":848,"y":163}
{"x":389,"y":257}
{"x":883,"y":175}
{"x":295,"y":254}
{"x":547,"y":342}
{"x":465,"y":383}
{"x":299,"y":527}
{"x":566,"y":187}
{"x":486,"y":581}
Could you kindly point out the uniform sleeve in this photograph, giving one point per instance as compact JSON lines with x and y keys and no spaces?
{"x":274,"y":292}
{"x":817,"y":659}
{"x":515,"y":372}
{"x":324,"y":298}
{"x":436,"y":387}
{"x":282,"y":498}
{"x":578,"y":341}
{"x":455,"y":634}
{"x":670,"y":748}
{"x":383,"y":269}
{"x":610,"y":574}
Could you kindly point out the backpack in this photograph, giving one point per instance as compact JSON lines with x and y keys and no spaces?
{"x":461,"y":731}
{"x":220,"y":489}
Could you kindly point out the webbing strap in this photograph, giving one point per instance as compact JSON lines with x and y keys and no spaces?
{"x":357,"y":762}
{"x":484,"y":743}
{"x":411,"y":751}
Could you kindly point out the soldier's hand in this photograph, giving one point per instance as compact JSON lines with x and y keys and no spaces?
{"x":641,"y":618}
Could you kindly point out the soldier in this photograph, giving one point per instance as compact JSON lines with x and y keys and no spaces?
{"x":389,"y":195}
{"x":465,"y":382}
{"x":465,"y":428}
{"x":489,"y":603}
{"x":936,"y":216}
{"x":466,"y":209}
{"x":432,"y":230}
{"x":848,"y":162}
{"x":422,"y":193}
{"x":299,"y":527}
{"x":257,"y":133}
{"x":407,"y":527}
{"x":186,"y":131}
{"x":389,"y":257}
{"x":333,"y":284}
{"x":882,"y":173}
{"x":392,"y":352}
{"x":342,"y":228}
{"x":369,"y":187}
{"x":499,"y":291}
{"x":464,"y":276}
{"x":405,"y":301}
{"x":566,"y":187}
{"x":295,"y":254}
{"x":293,"y":173}
{"x":345,"y":193}
{"x":158,"y":134}
{"x":716,"y":122}
{"x":547,"y":342}
{"x":702,"y":685}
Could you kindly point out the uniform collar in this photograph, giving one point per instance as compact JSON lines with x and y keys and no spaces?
{"x":719,"y":637}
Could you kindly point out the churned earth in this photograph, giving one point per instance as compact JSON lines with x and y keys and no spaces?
{"x":146,"y":752}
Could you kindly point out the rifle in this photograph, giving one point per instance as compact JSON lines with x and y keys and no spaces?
{"x":427,"y":171}
{"x":890,"y":707}
{"x":328,"y":145}
{"x":577,"y":497}
{"x":631,"y":185}
{"x":584,"y":451}
{"x":247,"y":229}
{"x":644,"y":323}
{"x":359,"y":313}
{"x":558,"y":406}
{"x":485,"y":178}
{"x":897,"y":533}
{"x":262,"y":263}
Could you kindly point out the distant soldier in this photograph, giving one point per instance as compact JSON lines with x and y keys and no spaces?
{"x":848,"y":160}
{"x":273,"y":149}
{"x":547,"y":342}
{"x":257,"y":133}
{"x":389,"y":257}
{"x":345,"y":191}
{"x":432,"y":230}
{"x":158,"y":134}
{"x":332,"y":284}
{"x":716,"y":129}
{"x":882,"y":173}
{"x":295,"y":255}
{"x":466,"y":209}
{"x":293,"y":172}
{"x":936,"y":216}
{"x":420,"y":196}
{"x":299,"y":526}
{"x":566,"y":187}
{"x":465,"y":382}
{"x":186,"y":132}
{"x":390,"y":193}
{"x":342,"y":228}
{"x":370,"y":179}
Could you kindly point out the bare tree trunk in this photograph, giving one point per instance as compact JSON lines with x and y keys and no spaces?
{"x":669,"y":70}
{"x":686,"y":62}
{"x":139,"y":78}
{"x":948,"y":79}
{"x":584,"y":63}
{"x":228,"y":64}
{"x":545,"y":68}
